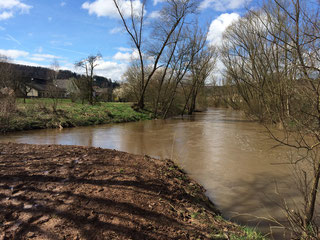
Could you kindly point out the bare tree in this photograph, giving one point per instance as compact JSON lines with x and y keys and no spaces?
{"x":202,"y":64}
{"x":24,"y":88}
{"x":133,"y":78}
{"x":173,"y":13}
{"x":272,"y":56}
{"x":169,"y":56}
{"x":187,"y":50}
{"x":55,"y":68}
{"x":53,"y":88}
{"x":89,"y":64}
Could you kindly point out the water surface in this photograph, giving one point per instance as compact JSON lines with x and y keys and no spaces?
{"x":231,"y":157}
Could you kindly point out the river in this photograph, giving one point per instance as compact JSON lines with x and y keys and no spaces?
{"x":231,"y":157}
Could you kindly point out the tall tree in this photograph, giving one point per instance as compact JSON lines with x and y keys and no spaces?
{"x":53,"y":88}
{"x":173,"y":14}
{"x":202,"y":64}
{"x":89,"y":64}
{"x":55,"y":68}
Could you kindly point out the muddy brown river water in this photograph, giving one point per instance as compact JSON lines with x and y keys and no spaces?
{"x":231,"y":157}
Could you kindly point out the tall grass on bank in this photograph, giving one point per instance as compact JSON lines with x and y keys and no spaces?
{"x":40,"y":114}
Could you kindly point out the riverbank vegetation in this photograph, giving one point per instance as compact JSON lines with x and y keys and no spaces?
{"x":73,"y":192}
{"x":272,"y":71}
{"x":61,"y":113}
{"x":173,"y":58}
{"x":171,"y":63}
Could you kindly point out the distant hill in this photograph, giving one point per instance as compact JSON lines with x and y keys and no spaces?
{"x":28,"y":72}
{"x":40,"y":72}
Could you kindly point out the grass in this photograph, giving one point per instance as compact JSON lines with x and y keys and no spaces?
{"x":223,"y":229}
{"x":40,"y":114}
{"x":243,"y":233}
{"x":249,"y":234}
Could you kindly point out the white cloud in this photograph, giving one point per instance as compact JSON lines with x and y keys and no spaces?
{"x":216,"y":30}
{"x":37,"y":59}
{"x":223,"y":5}
{"x":127,"y":56}
{"x":115,"y":30}
{"x":155,"y":2}
{"x":122,"y":56}
{"x":154,"y":14}
{"x":9,"y":7}
{"x":219,"y":25}
{"x":106,"y":8}
{"x":27,"y":63}
{"x":123,"y":49}
{"x":13,"y":53}
{"x":63,"y":66}
{"x":108,"y":69}
{"x":14,"y":4}
{"x":19,"y":55}
{"x":62,"y":4}
{"x":111,"y":69}
{"x":43,"y":57}
{"x":67,"y":66}
{"x":5,"y":15}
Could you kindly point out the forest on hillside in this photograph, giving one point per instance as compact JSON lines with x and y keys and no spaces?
{"x":17,"y":72}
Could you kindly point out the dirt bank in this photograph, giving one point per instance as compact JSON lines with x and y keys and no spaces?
{"x":72,"y":192}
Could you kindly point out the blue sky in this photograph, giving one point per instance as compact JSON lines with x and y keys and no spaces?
{"x":34,"y":32}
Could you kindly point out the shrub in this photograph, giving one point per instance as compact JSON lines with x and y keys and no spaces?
{"x":7,"y":107}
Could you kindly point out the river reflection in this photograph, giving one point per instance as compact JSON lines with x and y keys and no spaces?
{"x":231,"y":157}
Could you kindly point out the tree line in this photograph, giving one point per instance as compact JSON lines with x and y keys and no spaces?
{"x":174,"y":58}
{"x":36,"y":72}
{"x":272,"y":62}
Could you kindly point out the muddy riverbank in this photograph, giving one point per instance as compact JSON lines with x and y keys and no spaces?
{"x":73,"y":192}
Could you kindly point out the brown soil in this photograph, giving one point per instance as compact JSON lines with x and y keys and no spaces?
{"x":72,"y":192}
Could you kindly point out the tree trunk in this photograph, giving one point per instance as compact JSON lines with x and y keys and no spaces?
{"x":312,"y":198}
{"x":141,"y":102}
{"x":192,"y":104}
